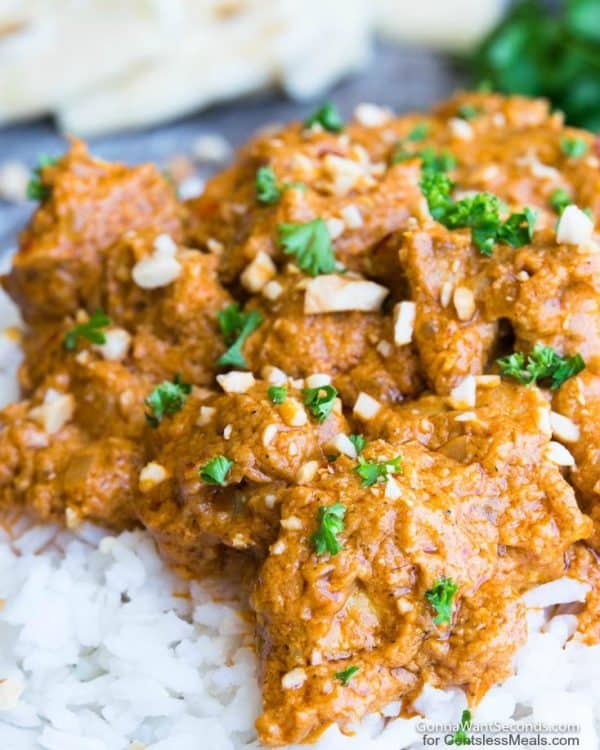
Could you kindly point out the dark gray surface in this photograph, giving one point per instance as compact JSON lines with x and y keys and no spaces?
{"x":403,"y":78}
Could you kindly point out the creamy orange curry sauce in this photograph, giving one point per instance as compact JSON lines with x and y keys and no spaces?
{"x":360,"y":372}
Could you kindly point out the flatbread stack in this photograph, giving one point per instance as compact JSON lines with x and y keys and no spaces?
{"x":105,"y":65}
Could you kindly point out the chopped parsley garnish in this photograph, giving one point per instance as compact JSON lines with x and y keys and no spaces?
{"x":358,"y":441}
{"x":480,"y":213}
{"x":419,"y":132}
{"x":437,"y":188}
{"x":327,"y":117}
{"x":560,"y":199}
{"x":267,"y":189}
{"x":277,"y":393}
{"x":236,"y":326}
{"x":371,"y":472}
{"x":320,"y":401}
{"x":460,"y":737}
{"x":346,"y":675}
{"x":166,"y":399}
{"x":440,"y":597}
{"x":310,"y":243}
{"x":468,"y":112}
{"x":431,"y":160}
{"x":543,"y":365}
{"x":216,"y":470}
{"x":331,"y":523}
{"x":36,"y":190}
{"x":573,"y":147}
{"x":90,"y":330}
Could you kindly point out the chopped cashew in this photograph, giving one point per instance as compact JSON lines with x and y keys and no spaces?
{"x":151,"y":475}
{"x":564,"y":428}
{"x":56,"y":410}
{"x":464,"y":395}
{"x":236,"y":381}
{"x":333,"y":293}
{"x":365,"y":406}
{"x":574,"y":227}
{"x":404,"y":322}
{"x":258,"y":273}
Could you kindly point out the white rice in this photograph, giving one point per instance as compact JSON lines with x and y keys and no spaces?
{"x":103,"y":648}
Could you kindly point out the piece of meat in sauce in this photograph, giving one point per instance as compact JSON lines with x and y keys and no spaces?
{"x":508,"y":432}
{"x":547,"y":292}
{"x":340,"y":177}
{"x":89,"y":204}
{"x":72,"y":451}
{"x":166,"y":326}
{"x":354,"y":347}
{"x":270,"y":446}
{"x":366,"y":606}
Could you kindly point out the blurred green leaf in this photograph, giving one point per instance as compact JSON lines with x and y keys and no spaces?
{"x":536,"y":52}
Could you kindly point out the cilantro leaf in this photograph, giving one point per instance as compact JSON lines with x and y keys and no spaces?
{"x":277,"y":393}
{"x":90,"y":330}
{"x":327,"y":117}
{"x":546,"y":50}
{"x":468,"y":112}
{"x":166,"y":399}
{"x":517,"y":230}
{"x":371,"y":472}
{"x":460,"y":737}
{"x":419,"y":132}
{"x":267,"y":189}
{"x":560,"y":199}
{"x":431,"y":160}
{"x":573,"y":148}
{"x":320,"y":401}
{"x":358,"y":441}
{"x":331,"y":523}
{"x":543,"y":365}
{"x":236,"y":326}
{"x":216,"y":470}
{"x":310,"y":243}
{"x":440,"y":597}
{"x":567,"y":368}
{"x":346,"y":675}
{"x":36,"y":190}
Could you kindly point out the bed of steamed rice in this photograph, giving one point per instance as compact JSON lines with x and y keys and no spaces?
{"x":103,"y":648}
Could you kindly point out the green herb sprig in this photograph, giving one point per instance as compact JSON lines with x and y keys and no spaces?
{"x":573,"y":148}
{"x":166,"y":399}
{"x":277,"y":394}
{"x":327,"y":117}
{"x":268,"y":190}
{"x":320,"y":401}
{"x":236,"y":326}
{"x":542,"y":365}
{"x":461,"y":737}
{"x":480,"y":213}
{"x":371,"y":472}
{"x":440,"y":597}
{"x":216,"y":470}
{"x":90,"y":330}
{"x":310,"y":243}
{"x":358,"y":441}
{"x":36,"y":189}
{"x":547,"y":50}
{"x":331,"y":523}
{"x":346,"y":675}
